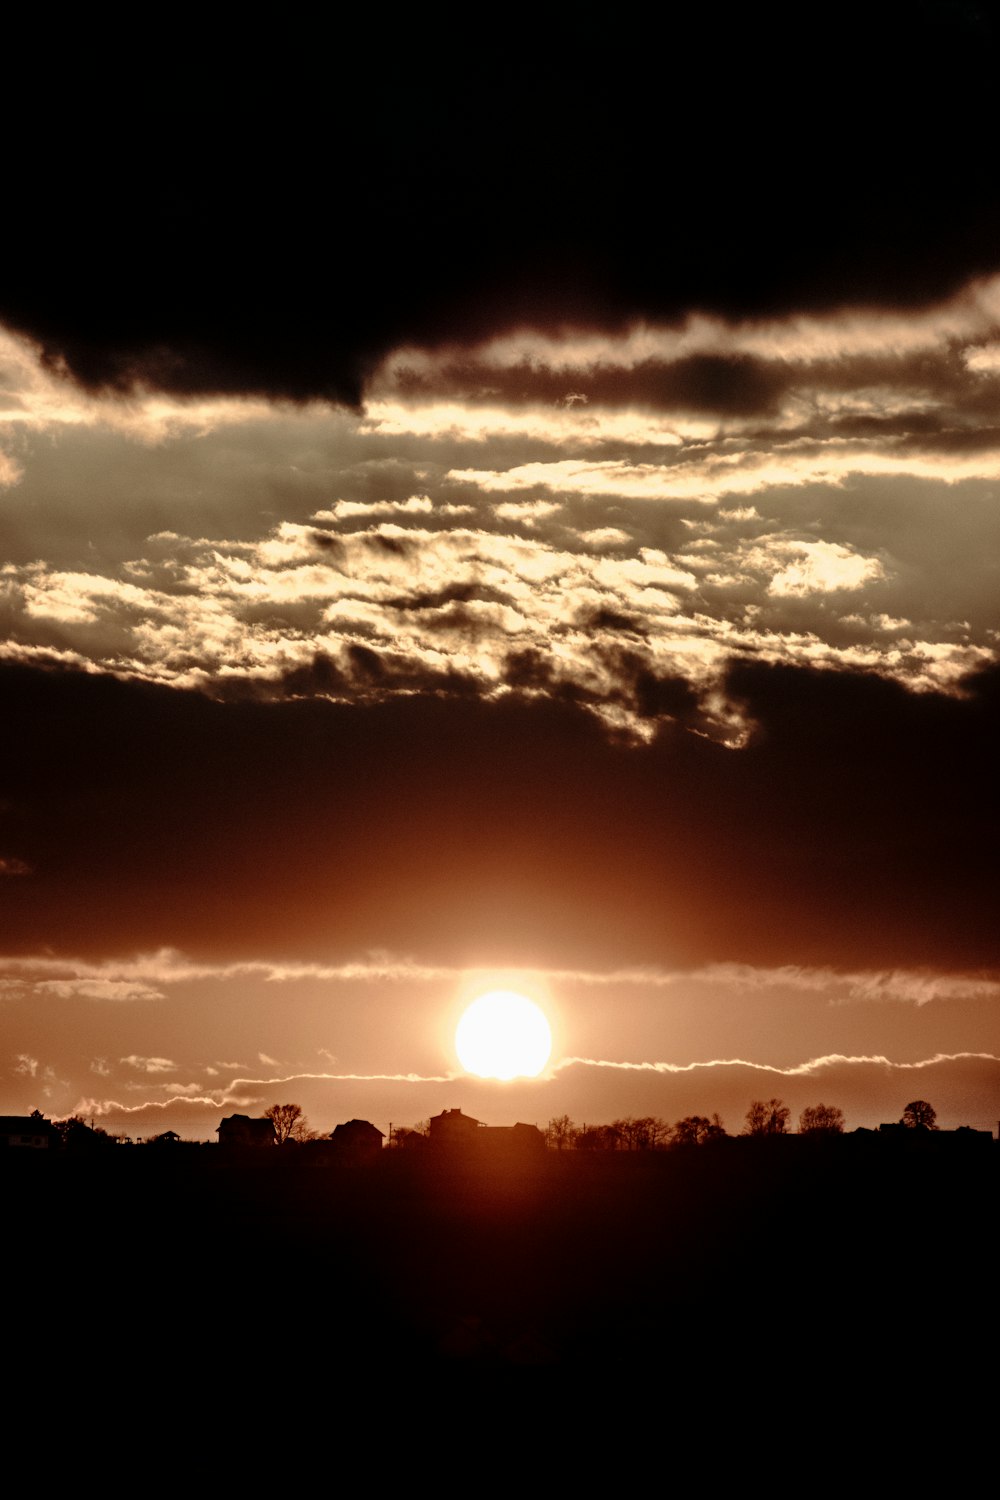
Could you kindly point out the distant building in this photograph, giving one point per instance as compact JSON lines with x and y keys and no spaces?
{"x":357,"y":1141}
{"x":519,"y":1139}
{"x":970,"y":1136}
{"x":451,"y":1128}
{"x":961,"y":1138}
{"x":27,"y":1132}
{"x":243,"y":1130}
{"x":453,"y":1131}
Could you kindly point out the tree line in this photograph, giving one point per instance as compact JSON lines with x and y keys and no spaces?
{"x":764,"y":1117}
{"x":646,"y":1133}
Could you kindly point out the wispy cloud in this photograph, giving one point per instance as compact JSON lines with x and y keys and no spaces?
{"x":915,"y":987}
{"x":416,"y":505}
{"x":809,"y":1068}
{"x":117,"y":978}
{"x":89,"y":1105}
{"x":118,"y":990}
{"x":245,"y":1093}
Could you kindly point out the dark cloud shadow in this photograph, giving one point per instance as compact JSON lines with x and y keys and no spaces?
{"x":858,"y":827}
{"x":283,"y":229}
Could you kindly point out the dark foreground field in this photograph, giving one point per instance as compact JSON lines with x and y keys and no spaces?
{"x":773,"y":1261}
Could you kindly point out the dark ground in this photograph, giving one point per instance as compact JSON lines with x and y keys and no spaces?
{"x":571,"y":1259}
{"x":781,"y":1280}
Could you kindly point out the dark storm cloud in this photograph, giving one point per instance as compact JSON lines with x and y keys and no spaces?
{"x":632,"y":682}
{"x":359,"y":673}
{"x":455,"y":593}
{"x":923,"y":383}
{"x":329,"y":543}
{"x":278,"y":237}
{"x":729,"y":384}
{"x":857,"y":828}
{"x":610,"y":619}
{"x":383,"y":670}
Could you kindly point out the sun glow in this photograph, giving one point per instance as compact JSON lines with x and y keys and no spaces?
{"x":503,"y":1035}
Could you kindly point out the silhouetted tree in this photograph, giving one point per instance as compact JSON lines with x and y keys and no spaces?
{"x":406,"y":1138}
{"x":919,"y":1115}
{"x":626,"y":1136}
{"x":695,"y":1130}
{"x":650,"y":1133}
{"x":77,"y":1135}
{"x":647,"y":1133}
{"x":767,"y":1119}
{"x":290,"y":1124}
{"x":560,"y":1133}
{"x":598,"y":1138}
{"x":821,"y":1119}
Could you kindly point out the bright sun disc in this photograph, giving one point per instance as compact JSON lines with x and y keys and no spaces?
{"x":503,"y":1035}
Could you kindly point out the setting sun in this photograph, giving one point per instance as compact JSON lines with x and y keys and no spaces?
{"x":503,"y":1035}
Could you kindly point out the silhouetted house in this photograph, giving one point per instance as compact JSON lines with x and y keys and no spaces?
{"x":243,"y":1130}
{"x":453,"y":1131}
{"x":918,"y":1139}
{"x":27,"y":1133}
{"x":517,"y":1140}
{"x":357,"y":1141}
{"x":970,"y":1137}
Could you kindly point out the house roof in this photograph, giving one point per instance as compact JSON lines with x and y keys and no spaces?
{"x":247,"y":1122}
{"x":355,"y":1126}
{"x":454,"y":1116}
{"x":24,"y":1125}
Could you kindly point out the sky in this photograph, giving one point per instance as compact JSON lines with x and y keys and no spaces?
{"x":535,"y":524}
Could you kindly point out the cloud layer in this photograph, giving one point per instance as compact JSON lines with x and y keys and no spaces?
{"x":502,"y":527}
{"x":655,"y":505}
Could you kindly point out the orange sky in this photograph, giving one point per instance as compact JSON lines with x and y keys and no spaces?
{"x":506,"y":591}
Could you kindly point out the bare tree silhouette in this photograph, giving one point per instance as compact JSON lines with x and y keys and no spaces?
{"x":647,"y":1133}
{"x":560,"y":1133}
{"x":821,"y":1119}
{"x":290,"y":1124}
{"x":767,"y":1119}
{"x":695,"y":1130}
{"x":406,"y":1137}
